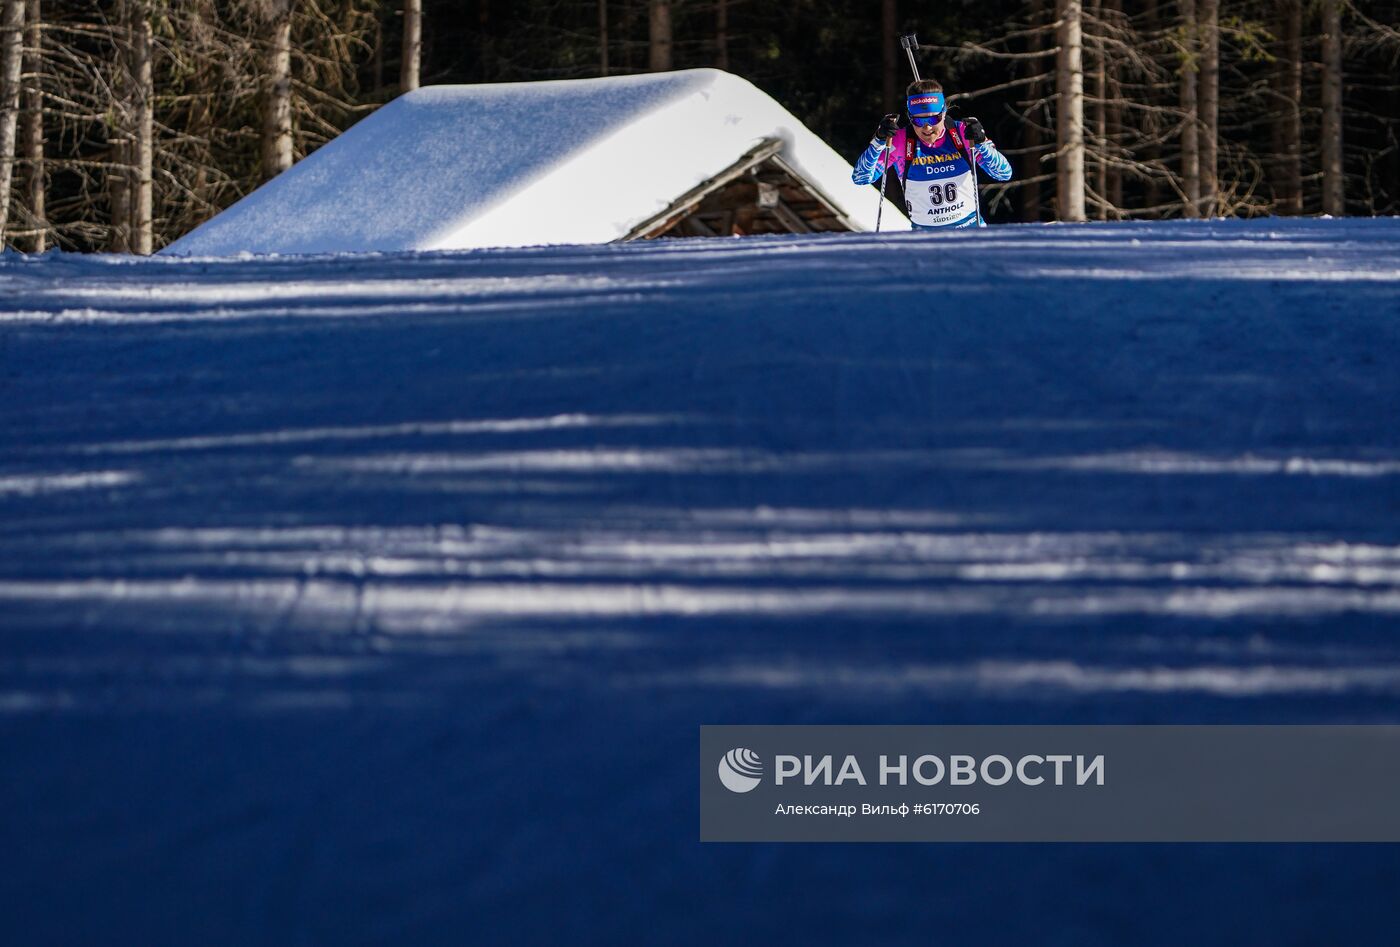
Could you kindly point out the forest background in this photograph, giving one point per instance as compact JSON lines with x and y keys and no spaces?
{"x":126,"y":123}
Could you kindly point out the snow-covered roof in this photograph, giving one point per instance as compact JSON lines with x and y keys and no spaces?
{"x":518,"y":164}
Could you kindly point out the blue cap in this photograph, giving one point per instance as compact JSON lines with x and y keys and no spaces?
{"x":926,"y":103}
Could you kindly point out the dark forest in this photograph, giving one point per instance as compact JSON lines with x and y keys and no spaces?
{"x":126,"y":123}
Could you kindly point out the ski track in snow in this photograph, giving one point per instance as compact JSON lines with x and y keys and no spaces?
{"x":408,"y":579}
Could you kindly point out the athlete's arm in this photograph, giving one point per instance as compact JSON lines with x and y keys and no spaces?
{"x":869,"y":167}
{"x":992,"y":161}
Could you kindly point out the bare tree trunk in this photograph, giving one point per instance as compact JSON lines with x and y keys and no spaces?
{"x":377,"y":61}
{"x":411,"y":67}
{"x":277,"y":105}
{"x":1100,"y":113}
{"x":889,"y":51}
{"x":483,"y":29}
{"x":143,"y":146}
{"x":660,"y":36}
{"x":117,"y":178}
{"x":1392,"y":206}
{"x":1190,"y":104}
{"x":1333,"y":187}
{"x":1209,"y":99}
{"x":1288,"y":128}
{"x":1034,"y":139}
{"x":602,"y":37}
{"x":1113,"y":118}
{"x":11,"y":63}
{"x":1152,"y":187}
{"x":119,"y":194}
{"x":33,"y":148}
{"x":722,"y":35}
{"x":632,"y":13}
{"x":1069,"y":122}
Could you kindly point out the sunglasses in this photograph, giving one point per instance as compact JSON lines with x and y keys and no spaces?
{"x":926,"y":121}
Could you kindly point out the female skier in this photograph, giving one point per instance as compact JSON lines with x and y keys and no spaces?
{"x":935,"y":162}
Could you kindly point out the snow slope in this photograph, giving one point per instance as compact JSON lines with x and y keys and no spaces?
{"x":526,"y":163}
{"x":376,"y":598}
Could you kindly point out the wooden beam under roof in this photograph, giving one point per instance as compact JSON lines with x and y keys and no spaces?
{"x":691,"y":199}
{"x":816,"y":194}
{"x":788,"y":216}
{"x":758,"y":194}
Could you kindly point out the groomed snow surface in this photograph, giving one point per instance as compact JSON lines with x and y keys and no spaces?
{"x":367,"y":599}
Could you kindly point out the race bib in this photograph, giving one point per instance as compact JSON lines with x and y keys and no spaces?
{"x":942,"y":200}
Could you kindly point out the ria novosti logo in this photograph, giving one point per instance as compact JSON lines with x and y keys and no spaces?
{"x":740,"y":770}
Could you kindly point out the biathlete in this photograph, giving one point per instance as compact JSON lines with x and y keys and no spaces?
{"x":934,"y":163}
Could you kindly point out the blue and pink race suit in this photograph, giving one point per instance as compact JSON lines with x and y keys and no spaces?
{"x":938,"y":180}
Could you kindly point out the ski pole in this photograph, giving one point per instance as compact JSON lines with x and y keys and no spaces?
{"x":910,"y":42}
{"x":976,"y":186}
{"x":884,"y":176}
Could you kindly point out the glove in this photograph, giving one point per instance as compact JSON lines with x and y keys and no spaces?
{"x":974,"y":131}
{"x":888,"y":126}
